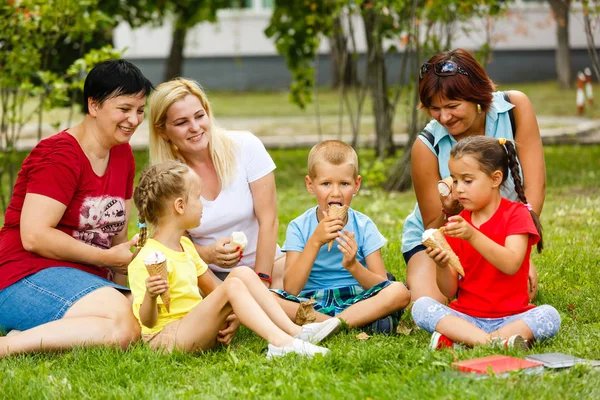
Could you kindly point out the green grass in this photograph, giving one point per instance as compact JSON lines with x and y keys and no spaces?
{"x":384,"y":367}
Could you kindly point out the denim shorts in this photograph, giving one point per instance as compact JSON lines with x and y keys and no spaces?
{"x":46,"y":296}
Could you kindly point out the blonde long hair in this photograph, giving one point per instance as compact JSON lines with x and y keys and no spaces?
{"x":221,"y":147}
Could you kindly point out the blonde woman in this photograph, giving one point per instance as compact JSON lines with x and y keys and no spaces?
{"x":239,"y":185}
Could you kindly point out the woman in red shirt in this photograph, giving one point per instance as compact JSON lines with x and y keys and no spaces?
{"x":64,"y":247}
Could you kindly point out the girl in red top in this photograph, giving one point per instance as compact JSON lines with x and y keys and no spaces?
{"x":492,"y":237}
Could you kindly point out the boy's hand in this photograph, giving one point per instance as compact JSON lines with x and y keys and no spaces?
{"x":327,"y":230}
{"x":459,"y":228}
{"x":156,"y":285}
{"x":440,"y":257}
{"x":348,"y":246}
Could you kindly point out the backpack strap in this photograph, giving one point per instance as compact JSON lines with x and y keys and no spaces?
{"x":511,"y":115}
{"x":428,"y":136}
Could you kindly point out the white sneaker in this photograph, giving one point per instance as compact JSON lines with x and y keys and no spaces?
{"x":316,"y":332}
{"x":298,"y":347}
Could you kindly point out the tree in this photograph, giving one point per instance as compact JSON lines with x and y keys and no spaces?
{"x":564,"y":67}
{"x":591,"y":11}
{"x":29,"y":30}
{"x":416,"y":25}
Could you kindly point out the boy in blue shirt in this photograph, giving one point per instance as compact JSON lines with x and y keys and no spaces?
{"x":349,"y":281}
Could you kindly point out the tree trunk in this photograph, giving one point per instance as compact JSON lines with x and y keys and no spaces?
{"x":564,"y":68}
{"x":343,"y":65}
{"x":175,"y":60}
{"x":377,"y":83}
{"x":400,"y":178}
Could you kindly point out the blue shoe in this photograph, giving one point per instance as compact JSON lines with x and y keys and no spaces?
{"x":383,"y":326}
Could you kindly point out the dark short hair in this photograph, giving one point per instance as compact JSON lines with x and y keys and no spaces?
{"x":114,"y":78}
{"x":476,"y":88}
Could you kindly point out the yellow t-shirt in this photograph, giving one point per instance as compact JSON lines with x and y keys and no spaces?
{"x":184,"y":269}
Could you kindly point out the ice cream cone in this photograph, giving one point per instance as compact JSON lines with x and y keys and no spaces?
{"x":306,"y":313}
{"x":445,"y":186}
{"x":156,"y":264}
{"x":239,"y":239}
{"x":435,"y":239}
{"x":338,"y":212}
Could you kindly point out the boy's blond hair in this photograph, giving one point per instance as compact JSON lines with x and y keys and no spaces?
{"x":334,"y":152}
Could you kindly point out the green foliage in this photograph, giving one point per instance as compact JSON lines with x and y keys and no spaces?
{"x":297,"y":27}
{"x":30,"y":30}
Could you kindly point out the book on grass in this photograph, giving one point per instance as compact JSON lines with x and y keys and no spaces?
{"x":560,"y":360}
{"x":498,"y":364}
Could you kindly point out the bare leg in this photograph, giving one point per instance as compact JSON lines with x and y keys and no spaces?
{"x":461,"y":331}
{"x":291,"y":308}
{"x":265,"y":300}
{"x":420,"y":278}
{"x":392,"y":298}
{"x":518,"y":327}
{"x":278,"y":272}
{"x":199,"y":328}
{"x":99,"y":318}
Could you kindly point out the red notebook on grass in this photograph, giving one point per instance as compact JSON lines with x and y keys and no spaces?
{"x":497,"y":364}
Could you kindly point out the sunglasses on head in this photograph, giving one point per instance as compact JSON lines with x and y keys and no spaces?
{"x":443,"y":68}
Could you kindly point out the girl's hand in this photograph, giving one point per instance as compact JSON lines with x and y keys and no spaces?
{"x":459,"y":228}
{"x":223,"y":255}
{"x":327,"y":230}
{"x":440,"y":257}
{"x":156,"y":285}
{"x":348,"y":246}
{"x":231,"y":325}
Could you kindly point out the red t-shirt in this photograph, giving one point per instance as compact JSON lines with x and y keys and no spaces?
{"x":485,"y":291}
{"x":58,"y":168}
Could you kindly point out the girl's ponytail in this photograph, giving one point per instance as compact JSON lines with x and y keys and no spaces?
{"x":515,"y":170}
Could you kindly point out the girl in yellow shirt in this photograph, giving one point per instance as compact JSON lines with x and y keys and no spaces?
{"x":168,"y":199}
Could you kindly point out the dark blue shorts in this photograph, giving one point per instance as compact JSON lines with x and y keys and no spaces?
{"x":46,"y":296}
{"x":408,"y":255}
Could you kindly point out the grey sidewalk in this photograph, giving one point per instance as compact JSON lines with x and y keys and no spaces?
{"x":281,"y":132}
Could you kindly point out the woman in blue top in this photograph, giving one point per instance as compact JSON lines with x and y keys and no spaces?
{"x":456,"y":91}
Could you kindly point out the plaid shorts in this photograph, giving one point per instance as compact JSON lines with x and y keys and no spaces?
{"x":334,"y":301}
{"x":165,"y":339}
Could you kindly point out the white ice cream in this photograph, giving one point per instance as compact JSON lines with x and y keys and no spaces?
{"x":240,"y":239}
{"x":427,"y":234}
{"x":155,"y":257}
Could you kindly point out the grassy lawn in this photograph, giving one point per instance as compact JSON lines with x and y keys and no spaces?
{"x":383,"y":367}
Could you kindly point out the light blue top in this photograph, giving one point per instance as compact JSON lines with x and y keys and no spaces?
{"x":327,"y":271}
{"x":497,"y":125}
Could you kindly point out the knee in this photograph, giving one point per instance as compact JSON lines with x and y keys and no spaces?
{"x":549,"y":323}
{"x":419,"y":309}
{"x":126,"y":328}
{"x":398,"y":296}
{"x":242,"y":272}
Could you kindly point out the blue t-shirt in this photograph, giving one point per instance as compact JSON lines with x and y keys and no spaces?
{"x":497,"y":125}
{"x":327,"y":271}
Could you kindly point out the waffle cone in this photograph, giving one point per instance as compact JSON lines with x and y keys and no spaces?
{"x":438,"y":241}
{"x":161,"y":269}
{"x":306,"y":313}
{"x":338,"y":212}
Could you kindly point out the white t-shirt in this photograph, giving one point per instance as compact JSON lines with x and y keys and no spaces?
{"x":233,"y":209}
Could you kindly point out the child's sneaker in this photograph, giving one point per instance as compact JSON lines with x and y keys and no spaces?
{"x":316,"y":332}
{"x":439,"y":342}
{"x":383,"y":325}
{"x":299,"y":347}
{"x":513,"y":342}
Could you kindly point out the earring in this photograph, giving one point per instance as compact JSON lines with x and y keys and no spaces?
{"x":175,"y":149}
{"x":478,"y":109}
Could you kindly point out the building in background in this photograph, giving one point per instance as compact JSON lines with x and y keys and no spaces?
{"x":234,"y":53}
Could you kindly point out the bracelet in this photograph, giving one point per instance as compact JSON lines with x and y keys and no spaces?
{"x":264,"y":277}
